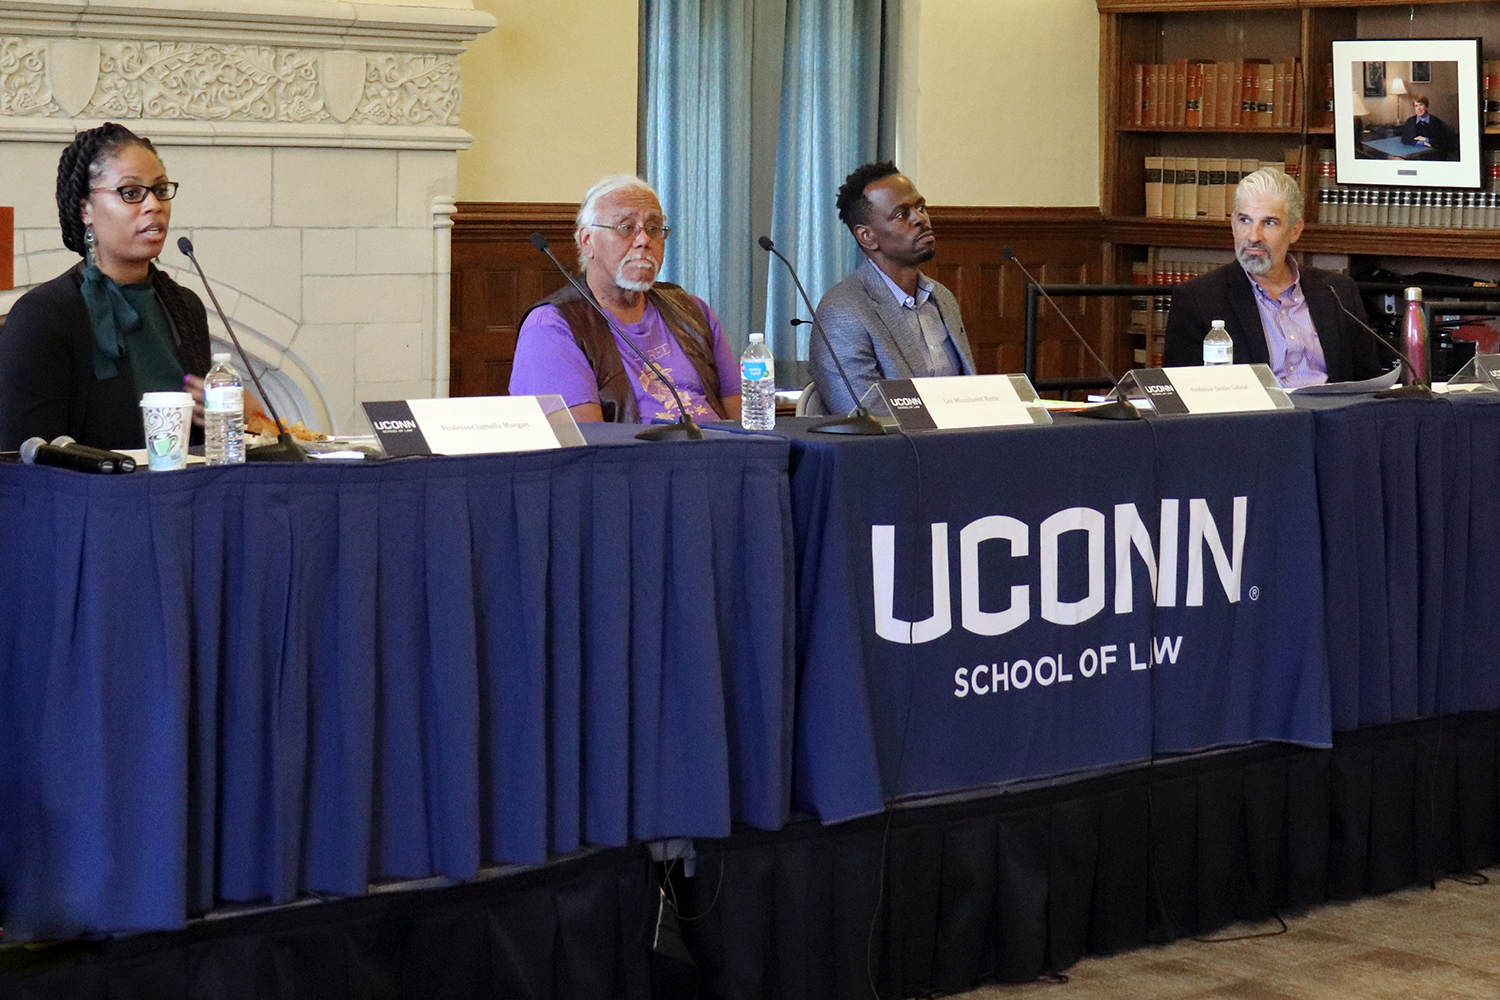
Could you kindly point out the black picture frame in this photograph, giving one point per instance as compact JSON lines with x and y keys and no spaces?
{"x":1371,"y":147}
{"x":1421,"y":72}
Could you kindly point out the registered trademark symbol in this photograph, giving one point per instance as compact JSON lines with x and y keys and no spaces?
{"x":1254,"y":593}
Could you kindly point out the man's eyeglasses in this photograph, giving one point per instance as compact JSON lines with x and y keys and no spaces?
{"x":134,"y":194}
{"x":630,"y":230}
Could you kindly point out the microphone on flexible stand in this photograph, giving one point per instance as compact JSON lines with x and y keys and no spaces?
{"x":286,"y":448}
{"x":684,"y":427}
{"x":858,"y":422}
{"x":1119,"y":409}
{"x":1415,"y":389}
{"x":797,"y":321}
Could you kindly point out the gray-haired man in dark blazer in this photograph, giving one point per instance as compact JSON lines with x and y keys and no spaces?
{"x":886,"y":319}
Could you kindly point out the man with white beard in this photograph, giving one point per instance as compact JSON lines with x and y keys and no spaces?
{"x":566,"y":348}
{"x":1292,"y":317}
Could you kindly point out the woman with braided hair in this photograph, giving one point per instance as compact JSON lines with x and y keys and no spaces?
{"x":77,"y":352}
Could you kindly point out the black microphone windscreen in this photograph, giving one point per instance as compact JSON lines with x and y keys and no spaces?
{"x":185,"y":245}
{"x":539,"y":241}
{"x":1009,"y":253}
{"x":765,"y":243}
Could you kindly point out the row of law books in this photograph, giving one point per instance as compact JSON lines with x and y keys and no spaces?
{"x":1240,"y":93}
{"x":1328,"y":169}
{"x":1196,"y":187}
{"x":1492,"y":92}
{"x":1436,"y":208}
{"x":1148,"y":313}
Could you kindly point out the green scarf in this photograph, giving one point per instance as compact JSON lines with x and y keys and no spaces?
{"x":112,"y":317}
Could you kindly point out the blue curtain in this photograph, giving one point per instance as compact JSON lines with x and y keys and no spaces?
{"x":728,"y":172}
{"x":696,"y":146}
{"x":830,"y":116}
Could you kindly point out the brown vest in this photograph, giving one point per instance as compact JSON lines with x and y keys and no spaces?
{"x":594,"y":337}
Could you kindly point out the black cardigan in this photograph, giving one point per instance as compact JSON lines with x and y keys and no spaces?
{"x":47,"y":383}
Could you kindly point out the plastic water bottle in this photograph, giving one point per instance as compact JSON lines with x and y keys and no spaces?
{"x":1218,"y":348}
{"x":757,"y":385}
{"x":223,"y":414}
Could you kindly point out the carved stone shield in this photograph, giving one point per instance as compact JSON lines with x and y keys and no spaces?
{"x":342,"y":76}
{"x":72,"y":73}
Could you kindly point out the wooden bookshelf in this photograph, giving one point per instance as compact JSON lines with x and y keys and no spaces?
{"x":1160,"y":31}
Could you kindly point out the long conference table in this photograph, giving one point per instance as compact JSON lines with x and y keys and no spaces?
{"x":259,"y":682}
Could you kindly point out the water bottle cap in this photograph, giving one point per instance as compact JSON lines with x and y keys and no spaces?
{"x":757,"y":338}
{"x":1414,"y":294}
{"x":220,"y":357}
{"x":1217,"y":324}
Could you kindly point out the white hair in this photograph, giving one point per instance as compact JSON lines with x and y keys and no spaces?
{"x":1274,"y":185}
{"x":607,"y":186}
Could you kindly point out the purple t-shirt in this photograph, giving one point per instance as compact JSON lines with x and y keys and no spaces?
{"x":549,"y":361}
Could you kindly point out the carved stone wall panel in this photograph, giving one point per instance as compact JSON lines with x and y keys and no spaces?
{"x":23,"y":78}
{"x":201,"y":82}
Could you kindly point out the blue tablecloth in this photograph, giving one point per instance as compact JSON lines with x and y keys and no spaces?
{"x":1409,"y":493}
{"x":245,"y":683}
{"x":1041,"y":537}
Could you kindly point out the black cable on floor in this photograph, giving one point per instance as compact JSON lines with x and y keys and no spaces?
{"x":1248,"y":937}
{"x":1470,"y":878}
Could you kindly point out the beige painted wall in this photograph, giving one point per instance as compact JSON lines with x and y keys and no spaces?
{"x":1006,"y":108}
{"x":550,"y":98}
{"x":999,"y":100}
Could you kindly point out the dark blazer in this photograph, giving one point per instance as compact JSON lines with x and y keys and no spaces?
{"x":1444,"y":143}
{"x":871,"y":337}
{"x":1351,"y":353}
{"x":47,"y":383}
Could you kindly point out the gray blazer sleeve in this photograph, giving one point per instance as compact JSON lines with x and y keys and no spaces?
{"x":843,"y":318}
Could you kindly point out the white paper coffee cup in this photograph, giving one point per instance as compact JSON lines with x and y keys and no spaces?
{"x":168,"y":417}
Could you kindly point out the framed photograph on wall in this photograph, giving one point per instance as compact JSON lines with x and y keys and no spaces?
{"x":1407,"y":111}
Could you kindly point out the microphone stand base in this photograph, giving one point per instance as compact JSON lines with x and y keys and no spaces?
{"x":286,"y":449}
{"x":860,"y":423}
{"x":685,"y":428}
{"x":1407,"y":392}
{"x":1119,"y":409}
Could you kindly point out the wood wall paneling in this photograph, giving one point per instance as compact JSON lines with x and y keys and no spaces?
{"x":1057,"y":245}
{"x":497,"y":275}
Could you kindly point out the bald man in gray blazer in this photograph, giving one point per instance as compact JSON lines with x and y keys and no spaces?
{"x":886,"y":319}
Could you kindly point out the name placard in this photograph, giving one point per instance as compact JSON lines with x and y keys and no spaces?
{"x":958,"y":401}
{"x":1481,"y":372}
{"x":1489,"y":364}
{"x":1206,"y":389}
{"x":462,"y":425}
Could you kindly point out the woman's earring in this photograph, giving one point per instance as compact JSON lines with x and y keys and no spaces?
{"x":91,"y":243}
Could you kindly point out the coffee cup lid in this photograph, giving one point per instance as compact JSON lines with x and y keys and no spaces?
{"x":167,"y":399}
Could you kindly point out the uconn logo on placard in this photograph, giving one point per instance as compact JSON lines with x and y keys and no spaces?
{"x":1132,"y":547}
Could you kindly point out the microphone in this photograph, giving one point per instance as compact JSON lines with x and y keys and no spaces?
{"x":684,"y":426}
{"x":126,"y":463}
{"x":1119,"y":409}
{"x":286,"y":448}
{"x":797,"y":321}
{"x":1415,"y":388}
{"x":71,"y":455}
{"x":857,"y":422}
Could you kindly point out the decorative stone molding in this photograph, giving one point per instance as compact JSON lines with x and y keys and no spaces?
{"x":237,"y":72}
{"x":199,"y":82}
{"x":291,"y":23}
